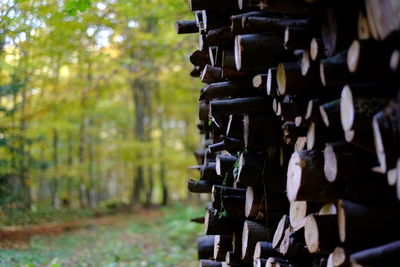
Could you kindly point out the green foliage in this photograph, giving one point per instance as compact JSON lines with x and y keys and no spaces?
{"x":73,"y":6}
{"x":134,"y":241}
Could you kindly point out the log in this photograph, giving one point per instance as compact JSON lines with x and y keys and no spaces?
{"x":395,"y":61}
{"x":252,"y":233}
{"x":259,"y":51}
{"x":233,"y":89}
{"x":385,"y":255}
{"x":222,"y":244}
{"x":224,"y":164}
{"x":344,"y":162}
{"x":290,"y":7}
{"x":299,"y":210}
{"x":211,"y":74}
{"x":291,"y":107}
{"x":272,"y":84}
{"x":216,"y":226}
{"x":229,"y":144}
{"x":363,"y":29}
{"x":291,"y":132}
{"x":215,"y":56}
{"x":339,"y":29}
{"x":202,"y":186}
{"x":261,"y":131}
{"x":259,"y":201}
{"x":321,"y":233}
{"x":208,"y":172}
{"x":237,"y":25}
{"x":220,"y":37}
{"x":300,"y":143}
{"x":279,"y":232}
{"x":330,"y":115}
{"x":357,"y":109}
{"x":210,"y":263}
{"x":262,"y":171}
{"x":279,"y":262}
{"x":260,"y":82}
{"x":340,"y":257}
{"x":297,"y":37}
{"x":199,"y":220}
{"x":234,"y":128}
{"x":229,"y":202}
{"x":207,"y":4}
{"x":258,"y":24}
{"x":259,"y":262}
{"x":205,"y":247}
{"x":306,"y":65}
{"x":292,"y":82}
{"x":200,"y":58}
{"x":264,"y":250}
{"x":215,"y":19}
{"x":203,"y":110}
{"x":238,"y":106}
{"x":316,"y":49}
{"x":386,"y":129}
{"x":186,"y":26}
{"x":383,"y":16}
{"x":232,"y":258}
{"x":318,"y":134}
{"x":306,"y":179}
{"x":293,"y":247}
{"x":382,"y":226}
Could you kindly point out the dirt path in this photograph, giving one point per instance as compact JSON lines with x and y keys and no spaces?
{"x":146,"y":238}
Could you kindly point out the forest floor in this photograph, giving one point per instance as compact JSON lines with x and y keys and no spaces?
{"x":155,"y":237}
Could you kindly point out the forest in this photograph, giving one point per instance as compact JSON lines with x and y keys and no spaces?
{"x":96,"y":106}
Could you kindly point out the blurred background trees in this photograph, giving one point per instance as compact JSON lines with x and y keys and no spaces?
{"x":95,"y":108}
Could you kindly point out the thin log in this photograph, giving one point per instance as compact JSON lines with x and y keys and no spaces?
{"x":265,"y":24}
{"x":202,"y":186}
{"x":290,"y":7}
{"x":199,"y":220}
{"x":248,"y":105}
{"x":224,"y":164}
{"x":220,"y":37}
{"x":259,"y":51}
{"x":208,"y":172}
{"x":321,"y":233}
{"x":260,"y":82}
{"x":229,"y":144}
{"x":231,"y":89}
{"x":237,"y":25}
{"x":205,"y":247}
{"x":186,"y":26}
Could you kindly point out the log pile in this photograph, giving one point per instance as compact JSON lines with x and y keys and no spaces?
{"x":300,"y":119}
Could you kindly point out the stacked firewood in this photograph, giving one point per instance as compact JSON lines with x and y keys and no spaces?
{"x":300,"y":118}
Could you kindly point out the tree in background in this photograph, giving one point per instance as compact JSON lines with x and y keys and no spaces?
{"x":93,"y":106}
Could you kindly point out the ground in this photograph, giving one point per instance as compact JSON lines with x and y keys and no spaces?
{"x":162,"y":237}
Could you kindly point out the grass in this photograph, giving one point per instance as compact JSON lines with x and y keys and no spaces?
{"x":164,"y":237}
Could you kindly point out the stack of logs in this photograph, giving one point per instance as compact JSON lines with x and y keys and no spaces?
{"x":300,"y":118}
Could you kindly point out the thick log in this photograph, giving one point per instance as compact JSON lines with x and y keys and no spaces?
{"x":272,"y":84}
{"x":234,"y":128}
{"x":262,"y":171}
{"x":220,"y":37}
{"x":252,"y":233}
{"x":215,"y":19}
{"x":205,"y":247}
{"x":306,"y":179}
{"x":385,"y":255}
{"x":248,"y":105}
{"x":228,"y":60}
{"x":231,"y":89}
{"x":293,"y":246}
{"x":213,"y":225}
{"x":383,"y":17}
{"x":318,"y":134}
{"x":202,"y":186}
{"x":290,"y":7}
{"x":379,"y":221}
{"x":208,"y":172}
{"x":339,"y":29}
{"x":358,"y":105}
{"x":279,"y":232}
{"x":186,"y":26}
{"x":386,"y":129}
{"x":259,"y":201}
{"x":224,"y":164}
{"x":260,"y":131}
{"x":321,"y":233}
{"x":229,"y":202}
{"x":211,"y":74}
{"x":299,"y":210}
{"x":266,"y":24}
{"x":210,"y":263}
{"x":344,"y":162}
{"x":297,"y":37}
{"x":259,"y":51}
{"x":207,"y":4}
{"x":292,"y":82}
{"x":222,"y":244}
{"x":265,"y":250}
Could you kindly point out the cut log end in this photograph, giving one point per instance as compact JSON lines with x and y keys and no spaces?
{"x":322,"y":74}
{"x":347,"y":112}
{"x":341,"y":221}
{"x":311,"y":136}
{"x":297,"y":213}
{"x":314,"y":49}
{"x":280,"y":231}
{"x":339,"y":256}
{"x":379,"y":147}
{"x":353,"y":56}
{"x":330,"y":163}
{"x":281,"y":79}
{"x":305,"y":63}
{"x":245,"y":240}
{"x":249,"y":201}
{"x":238,"y":53}
{"x":293,"y":176}
{"x":311,"y":234}
{"x":395,"y":61}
